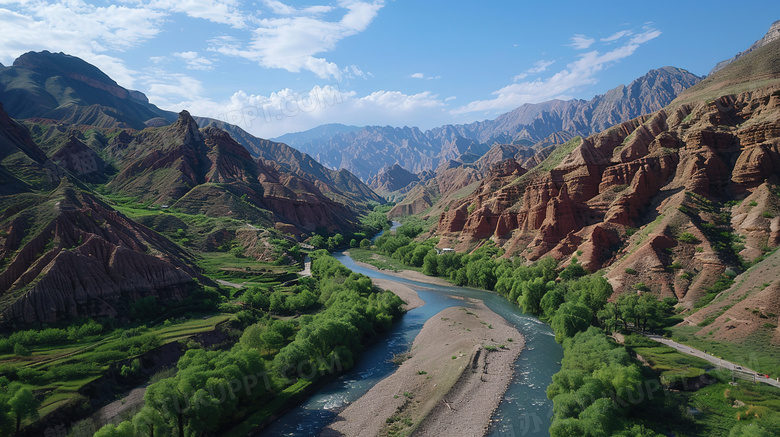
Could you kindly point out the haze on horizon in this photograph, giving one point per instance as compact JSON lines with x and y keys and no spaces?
{"x":273,"y":67}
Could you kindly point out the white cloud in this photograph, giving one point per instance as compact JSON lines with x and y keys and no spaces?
{"x":217,"y":11}
{"x":616,"y":36}
{"x":581,"y":42}
{"x":291,"y":42}
{"x":268,"y":116}
{"x":79,"y":29}
{"x":422,"y":76}
{"x":194,"y":61}
{"x":280,"y":8}
{"x":173,"y":91}
{"x":539,"y":67}
{"x":560,"y":85}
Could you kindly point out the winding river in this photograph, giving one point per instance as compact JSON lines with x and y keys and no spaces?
{"x":524,"y":410}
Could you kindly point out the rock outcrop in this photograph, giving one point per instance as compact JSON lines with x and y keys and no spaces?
{"x":661,"y":173}
{"x":207,"y":171}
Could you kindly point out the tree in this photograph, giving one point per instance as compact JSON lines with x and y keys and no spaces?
{"x":533,"y":292}
{"x":365,"y":243}
{"x":21,"y":351}
{"x":609,"y":316}
{"x":573,"y":271}
{"x":23,"y":405}
{"x":124,"y":429}
{"x":318,"y":241}
{"x":147,"y":421}
{"x":571,"y":318}
{"x":551,"y":301}
{"x":353,"y":243}
{"x":165,"y":398}
{"x":6,"y":421}
{"x":431,"y":264}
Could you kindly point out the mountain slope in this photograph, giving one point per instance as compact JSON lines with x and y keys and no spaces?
{"x":771,"y":35}
{"x":65,"y":88}
{"x":207,"y":171}
{"x":365,"y":151}
{"x":339,"y":185}
{"x":648,"y":199}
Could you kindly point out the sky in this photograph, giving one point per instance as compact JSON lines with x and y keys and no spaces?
{"x":274,"y":67}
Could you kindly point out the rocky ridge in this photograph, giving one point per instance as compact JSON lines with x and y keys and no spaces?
{"x":664,"y":174}
{"x":365,"y":151}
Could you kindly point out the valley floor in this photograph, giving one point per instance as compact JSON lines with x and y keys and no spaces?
{"x":458,"y":369}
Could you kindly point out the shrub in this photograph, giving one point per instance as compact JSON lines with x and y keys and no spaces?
{"x":21,"y":351}
{"x":687,"y":237}
{"x":767,"y":214}
{"x":631,"y":271}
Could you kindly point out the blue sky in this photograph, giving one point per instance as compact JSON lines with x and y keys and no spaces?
{"x":274,"y":67}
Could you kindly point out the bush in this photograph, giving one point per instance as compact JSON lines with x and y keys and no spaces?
{"x":21,"y":351}
{"x":687,"y":237}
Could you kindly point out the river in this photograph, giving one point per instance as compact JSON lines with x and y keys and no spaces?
{"x":524,"y":410}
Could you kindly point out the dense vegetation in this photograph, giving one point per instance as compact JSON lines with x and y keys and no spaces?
{"x":370,"y":224}
{"x":600,"y":389}
{"x":213,"y":389}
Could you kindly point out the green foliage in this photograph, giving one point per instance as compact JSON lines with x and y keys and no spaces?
{"x":596,"y":387}
{"x":569,"y":319}
{"x":687,"y":237}
{"x":203,"y":397}
{"x":21,"y":351}
{"x":124,"y":429}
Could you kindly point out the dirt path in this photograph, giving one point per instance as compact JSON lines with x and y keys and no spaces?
{"x":112,"y":413}
{"x":712,"y":359}
{"x":229,"y":284}
{"x":306,"y":267}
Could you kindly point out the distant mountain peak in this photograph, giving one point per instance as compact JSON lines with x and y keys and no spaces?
{"x":364,"y":151}
{"x":61,"y":63}
{"x":66,"y":88}
{"x":771,"y":35}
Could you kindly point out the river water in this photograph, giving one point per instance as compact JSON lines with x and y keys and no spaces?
{"x":524,"y":410}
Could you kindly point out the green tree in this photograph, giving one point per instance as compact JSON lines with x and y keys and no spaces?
{"x":23,"y":406}
{"x":609,"y":316}
{"x":147,"y":422}
{"x":573,"y":271}
{"x":431,"y":264}
{"x":533,"y":292}
{"x":21,"y":351}
{"x":124,"y":429}
{"x":571,"y":318}
{"x":551,"y":301}
{"x":365,"y":243}
{"x":318,"y":241}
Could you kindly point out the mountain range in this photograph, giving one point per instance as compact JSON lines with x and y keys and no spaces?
{"x":366,"y":151}
{"x":670,"y":202}
{"x":76,"y":148}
